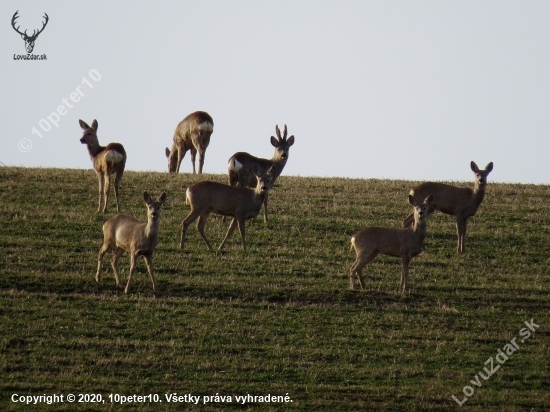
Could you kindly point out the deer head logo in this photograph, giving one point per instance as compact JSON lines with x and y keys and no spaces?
{"x":29,"y":40}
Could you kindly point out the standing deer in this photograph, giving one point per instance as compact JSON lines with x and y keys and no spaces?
{"x":456,"y":201}
{"x":241,"y":203}
{"x":405,"y":243}
{"x":240,"y":167}
{"x":193,"y":133}
{"x":106,"y":161}
{"x":130,"y":235}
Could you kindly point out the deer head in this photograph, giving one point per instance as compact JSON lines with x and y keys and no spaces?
{"x":29,"y":40}
{"x":281,"y":143}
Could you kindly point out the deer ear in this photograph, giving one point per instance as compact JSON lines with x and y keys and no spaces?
{"x":162,"y":198}
{"x":94,"y":125}
{"x":474,"y":167}
{"x":257,"y":171}
{"x":489,"y":167}
{"x":274,"y":141}
{"x":290,"y":141}
{"x":428,"y":201}
{"x":147,"y":198}
{"x":413,"y":201}
{"x":167,"y":151}
{"x":83,"y":124}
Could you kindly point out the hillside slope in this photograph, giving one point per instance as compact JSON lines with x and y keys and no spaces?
{"x":278,"y":318}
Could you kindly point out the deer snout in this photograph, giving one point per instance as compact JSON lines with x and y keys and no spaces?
{"x":421,"y":214}
{"x":154,"y":215}
{"x":82,"y":141}
{"x":264,"y":188}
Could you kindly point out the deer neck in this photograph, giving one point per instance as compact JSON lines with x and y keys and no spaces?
{"x":419,"y":228}
{"x":94,"y":148}
{"x":278,"y":164}
{"x":479,"y":193}
{"x":259,"y":194}
{"x":152,"y":228}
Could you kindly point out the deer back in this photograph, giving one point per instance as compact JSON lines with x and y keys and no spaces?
{"x":223,"y":199}
{"x":194,"y":130}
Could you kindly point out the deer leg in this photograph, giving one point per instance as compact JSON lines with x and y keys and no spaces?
{"x":117,"y":181}
{"x":100,"y":178}
{"x":181,"y":155}
{"x":118,"y":253}
{"x":265,"y":207}
{"x":200,"y":227}
{"x":185,"y":225}
{"x":193,"y":157}
{"x":232,"y":227}
{"x":202,"y":153}
{"x":149,"y":263}
{"x":404,"y":275}
{"x":106,"y":191}
{"x":241,"y":221}
{"x":357,"y":268}
{"x":102,"y":252}
{"x":460,"y":230}
{"x":132,"y":268}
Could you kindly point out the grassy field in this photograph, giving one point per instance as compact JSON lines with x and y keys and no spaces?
{"x":276,"y":319}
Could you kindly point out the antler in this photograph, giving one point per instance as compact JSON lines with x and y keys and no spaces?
{"x":43,"y":26}
{"x":277,"y":131}
{"x":15,"y":16}
{"x":284,"y":133}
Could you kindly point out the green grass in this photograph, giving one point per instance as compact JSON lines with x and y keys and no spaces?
{"x":278,"y":318}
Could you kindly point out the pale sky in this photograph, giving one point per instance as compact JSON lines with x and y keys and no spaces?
{"x":373,"y":89}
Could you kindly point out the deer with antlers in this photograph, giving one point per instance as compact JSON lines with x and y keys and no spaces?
{"x":107,"y":160}
{"x":29,"y":40}
{"x":193,"y":133}
{"x":241,"y":165}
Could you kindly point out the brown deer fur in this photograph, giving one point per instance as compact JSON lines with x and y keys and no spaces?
{"x":193,"y":133}
{"x":240,"y":167}
{"x":241,"y":203}
{"x":455,"y":201}
{"x":404,"y":243}
{"x":130,"y":235}
{"x":106,"y":160}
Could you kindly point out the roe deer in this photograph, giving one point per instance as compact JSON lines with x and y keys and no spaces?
{"x":456,"y":201}
{"x":241,"y":203}
{"x":405,"y":243}
{"x":130,"y":235}
{"x":193,"y":133}
{"x":106,"y":161}
{"x":241,"y":165}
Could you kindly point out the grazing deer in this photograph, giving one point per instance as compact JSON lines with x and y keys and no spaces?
{"x":241,"y":164}
{"x":456,"y":201}
{"x":241,"y":203}
{"x":106,"y":160}
{"x":193,"y":133}
{"x":405,"y":243}
{"x":130,"y":235}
